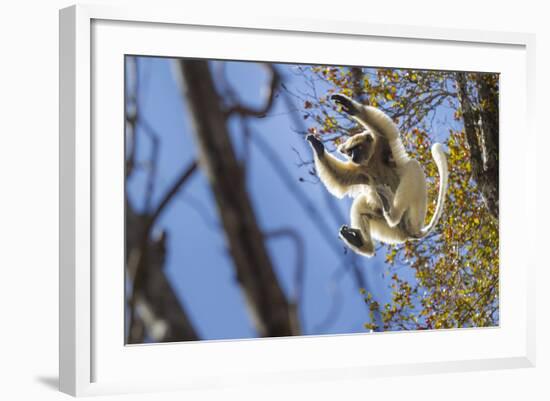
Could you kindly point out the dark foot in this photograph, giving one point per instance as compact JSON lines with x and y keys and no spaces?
{"x":347,"y":104}
{"x":316,"y":144}
{"x":352,"y":236}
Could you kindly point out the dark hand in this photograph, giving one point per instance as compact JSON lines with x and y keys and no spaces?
{"x":348,"y":105}
{"x":316,"y":144}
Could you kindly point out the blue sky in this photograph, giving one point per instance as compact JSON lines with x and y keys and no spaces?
{"x":198,"y":264}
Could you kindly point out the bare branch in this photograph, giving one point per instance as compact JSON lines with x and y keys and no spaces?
{"x":299,"y":247}
{"x":155,"y":149}
{"x":131,"y":109}
{"x":142,"y":261}
{"x":153,"y":305}
{"x":268,"y":103}
{"x":299,"y":269}
{"x":336,"y":298}
{"x":271,"y":312}
{"x":309,"y":207}
{"x":184,"y":176}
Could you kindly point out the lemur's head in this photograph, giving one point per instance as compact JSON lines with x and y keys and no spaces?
{"x":359,"y":148}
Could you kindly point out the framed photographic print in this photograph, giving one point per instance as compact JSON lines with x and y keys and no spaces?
{"x":290,"y":199}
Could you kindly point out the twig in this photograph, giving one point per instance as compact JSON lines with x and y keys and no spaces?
{"x":294,"y":189}
{"x":299,"y":246}
{"x":336,"y":304}
{"x":300,"y":265}
{"x":268,"y":103}
{"x":155,"y":149}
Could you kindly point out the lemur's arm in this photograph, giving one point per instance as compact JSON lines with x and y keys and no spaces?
{"x":375,"y":120}
{"x":337,"y":176}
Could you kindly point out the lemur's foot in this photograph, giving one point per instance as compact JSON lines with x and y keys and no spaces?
{"x":351,"y":235}
{"x":347,"y":104}
{"x":316,"y":144}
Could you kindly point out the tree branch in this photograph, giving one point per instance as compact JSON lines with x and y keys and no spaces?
{"x":248,"y":111}
{"x":271,"y":312}
{"x":153,"y":304}
{"x":145,"y":259}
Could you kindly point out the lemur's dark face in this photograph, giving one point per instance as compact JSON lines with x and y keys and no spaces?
{"x":359,"y":148}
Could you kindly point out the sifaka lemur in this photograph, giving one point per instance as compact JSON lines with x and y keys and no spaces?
{"x":388,"y":187}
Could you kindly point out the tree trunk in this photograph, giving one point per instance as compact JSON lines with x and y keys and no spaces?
{"x":482,"y":130}
{"x":158,"y":312}
{"x":272,"y":314}
{"x":357,"y":83}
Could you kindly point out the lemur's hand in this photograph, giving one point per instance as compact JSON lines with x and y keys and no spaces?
{"x":316,"y":144}
{"x":348,"y":105}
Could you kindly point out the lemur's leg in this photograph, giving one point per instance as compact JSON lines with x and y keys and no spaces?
{"x":385,"y":195}
{"x":337,"y":176}
{"x":393,"y":211}
{"x":410,"y":197}
{"x":410,"y":194}
{"x":358,"y":237}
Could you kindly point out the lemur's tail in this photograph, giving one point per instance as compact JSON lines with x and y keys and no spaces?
{"x":441,"y":163}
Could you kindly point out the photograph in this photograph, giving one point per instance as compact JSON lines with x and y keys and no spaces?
{"x":273,"y":199}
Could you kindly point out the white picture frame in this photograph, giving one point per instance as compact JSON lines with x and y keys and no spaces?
{"x":92,"y":357}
